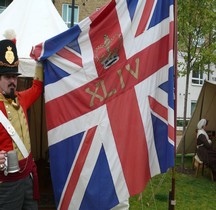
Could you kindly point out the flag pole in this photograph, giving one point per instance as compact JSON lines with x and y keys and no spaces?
{"x":172,"y":201}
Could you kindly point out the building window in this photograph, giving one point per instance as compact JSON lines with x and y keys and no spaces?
{"x":4,"y":4}
{"x":66,"y":14}
{"x":213,"y":78}
{"x":193,"y":106}
{"x":197,"y":77}
{"x":2,"y":9}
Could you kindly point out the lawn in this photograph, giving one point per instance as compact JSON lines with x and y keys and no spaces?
{"x":191,"y":193}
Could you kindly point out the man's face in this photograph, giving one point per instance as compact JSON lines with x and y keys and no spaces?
{"x":8,"y":83}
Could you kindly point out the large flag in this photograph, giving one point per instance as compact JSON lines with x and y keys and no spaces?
{"x":109,"y":100}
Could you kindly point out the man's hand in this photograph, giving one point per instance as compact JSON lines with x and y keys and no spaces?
{"x":2,"y":160}
{"x":39,"y":72}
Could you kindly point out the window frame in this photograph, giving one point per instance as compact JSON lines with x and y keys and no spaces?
{"x":197,"y":77}
{"x":193,"y":106}
{"x":66,"y":14}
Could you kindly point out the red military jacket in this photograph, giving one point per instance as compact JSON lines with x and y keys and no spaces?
{"x":25,"y":98}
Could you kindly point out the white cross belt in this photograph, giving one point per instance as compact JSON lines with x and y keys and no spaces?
{"x":12,"y":132}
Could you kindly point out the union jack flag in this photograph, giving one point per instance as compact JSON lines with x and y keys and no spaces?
{"x":109,"y":100}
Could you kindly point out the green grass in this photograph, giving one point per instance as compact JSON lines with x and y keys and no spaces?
{"x":191,"y":193}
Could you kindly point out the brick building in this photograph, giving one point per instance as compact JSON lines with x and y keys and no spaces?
{"x":82,"y":8}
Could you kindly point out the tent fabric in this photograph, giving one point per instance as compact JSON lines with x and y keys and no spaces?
{"x":205,"y":108}
{"x":34,"y":21}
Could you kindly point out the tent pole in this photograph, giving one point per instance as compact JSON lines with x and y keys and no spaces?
{"x":202,"y":106}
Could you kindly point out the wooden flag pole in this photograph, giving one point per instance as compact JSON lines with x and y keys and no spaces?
{"x":172,"y":201}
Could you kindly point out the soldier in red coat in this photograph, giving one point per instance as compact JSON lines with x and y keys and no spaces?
{"x":18,"y":188}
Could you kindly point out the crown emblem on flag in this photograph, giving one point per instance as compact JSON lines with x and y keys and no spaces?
{"x":107,"y":53}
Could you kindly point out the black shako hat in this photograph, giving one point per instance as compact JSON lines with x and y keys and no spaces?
{"x":8,"y":57}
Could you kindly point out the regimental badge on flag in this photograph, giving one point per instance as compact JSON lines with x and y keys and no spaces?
{"x":109,"y":100}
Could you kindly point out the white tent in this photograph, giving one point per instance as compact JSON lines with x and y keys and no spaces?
{"x":205,"y":108}
{"x":34,"y":21}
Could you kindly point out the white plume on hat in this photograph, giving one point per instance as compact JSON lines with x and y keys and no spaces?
{"x":10,"y":34}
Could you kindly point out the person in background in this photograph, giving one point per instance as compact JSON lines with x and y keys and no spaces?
{"x":205,"y":151}
{"x":18,"y":189}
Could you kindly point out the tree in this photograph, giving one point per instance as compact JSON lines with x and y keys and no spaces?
{"x":196,"y":42}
